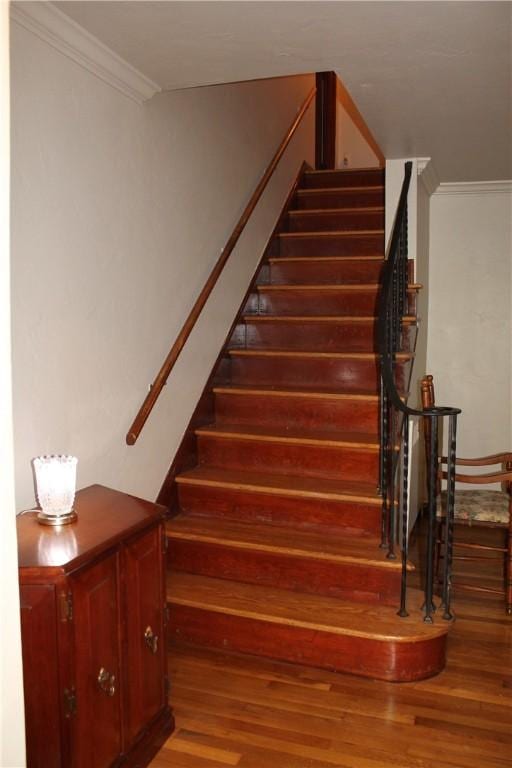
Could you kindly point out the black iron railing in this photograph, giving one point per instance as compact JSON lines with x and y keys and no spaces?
{"x":395,"y":301}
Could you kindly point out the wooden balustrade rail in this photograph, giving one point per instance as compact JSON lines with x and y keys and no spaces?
{"x":170,"y":360}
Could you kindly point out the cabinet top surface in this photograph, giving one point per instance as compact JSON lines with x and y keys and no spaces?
{"x":105,"y":517}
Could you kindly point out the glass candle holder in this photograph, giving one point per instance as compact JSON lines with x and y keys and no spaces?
{"x":56,"y":485}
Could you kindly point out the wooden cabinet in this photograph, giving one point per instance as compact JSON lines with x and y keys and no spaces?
{"x":93,"y":634}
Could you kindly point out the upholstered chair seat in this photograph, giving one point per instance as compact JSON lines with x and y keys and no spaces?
{"x":485,"y":506}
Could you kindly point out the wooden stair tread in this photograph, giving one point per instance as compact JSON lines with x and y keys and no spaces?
{"x":313,"y":612}
{"x":341,"y":319}
{"x":297,"y":436}
{"x":315,"y":259}
{"x":256,"y":352}
{"x":339,"y":287}
{"x":285,"y":485}
{"x":338,"y":190}
{"x":353,"y":209}
{"x":371,"y":169}
{"x":282,"y":540}
{"x":298,"y":392}
{"x":334,"y":233}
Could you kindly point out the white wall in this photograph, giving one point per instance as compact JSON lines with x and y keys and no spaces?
{"x":469,"y":336}
{"x":12,"y":734}
{"x":119,"y":213}
{"x":351,"y":146}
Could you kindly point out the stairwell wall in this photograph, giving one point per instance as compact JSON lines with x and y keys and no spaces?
{"x":352,"y":149}
{"x":470,"y":324}
{"x":119,"y":212}
{"x":12,"y":716}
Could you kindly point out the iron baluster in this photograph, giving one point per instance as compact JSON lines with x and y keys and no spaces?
{"x":393,"y":304}
{"x":384,"y":462}
{"x":404,"y":247}
{"x":393,"y":460}
{"x":450,"y":504}
{"x":392,"y":509}
{"x":405,"y":517}
{"x":405,"y":240}
{"x":382,"y":395}
{"x":432,"y":483}
{"x":393,"y":312}
{"x":399,"y":267}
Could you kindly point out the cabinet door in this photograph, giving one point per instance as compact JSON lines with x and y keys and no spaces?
{"x":145,"y":643}
{"x":96,"y":726}
{"x":40,"y":675}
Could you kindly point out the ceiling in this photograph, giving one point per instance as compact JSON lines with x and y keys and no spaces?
{"x":432,"y":79}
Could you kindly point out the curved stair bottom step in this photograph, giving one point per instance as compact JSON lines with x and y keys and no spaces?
{"x":372,"y":642}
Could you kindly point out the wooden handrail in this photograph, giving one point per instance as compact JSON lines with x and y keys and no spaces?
{"x":201,"y":300}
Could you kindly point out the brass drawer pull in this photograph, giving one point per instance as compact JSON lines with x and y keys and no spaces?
{"x":151,"y":640}
{"x":106,"y":681}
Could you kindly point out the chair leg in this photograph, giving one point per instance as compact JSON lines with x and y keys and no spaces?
{"x":508,"y":573}
{"x":438,"y":545}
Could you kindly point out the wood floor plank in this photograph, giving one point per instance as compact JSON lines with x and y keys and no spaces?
{"x":347,"y":735}
{"x":168,"y":757}
{"x":181,"y":744}
{"x":218,"y":735}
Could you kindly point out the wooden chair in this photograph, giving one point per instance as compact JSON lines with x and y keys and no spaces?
{"x":478,"y":508}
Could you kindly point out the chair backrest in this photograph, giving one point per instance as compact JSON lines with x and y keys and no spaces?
{"x":428,"y":400}
{"x":502,"y":475}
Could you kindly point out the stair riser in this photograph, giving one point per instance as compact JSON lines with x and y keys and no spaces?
{"x":345,"y":375}
{"x":350,"y":517}
{"x":314,"y":336}
{"x":338,"y":462}
{"x":334,"y":199}
{"x":297,"y":412}
{"x":393,"y":661}
{"x":345,"y":581}
{"x":317,"y":272}
{"x":363,"y":303}
{"x":335,"y":221}
{"x":357,"y":178}
{"x":343,"y":245}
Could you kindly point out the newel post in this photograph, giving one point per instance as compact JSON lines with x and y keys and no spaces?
{"x":325,"y":125}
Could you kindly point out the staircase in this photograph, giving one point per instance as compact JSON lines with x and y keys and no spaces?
{"x":274,"y":546}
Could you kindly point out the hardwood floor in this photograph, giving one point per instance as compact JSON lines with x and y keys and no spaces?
{"x":251,"y":713}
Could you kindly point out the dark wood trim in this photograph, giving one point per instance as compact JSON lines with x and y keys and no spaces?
{"x":186,"y":455}
{"x":201,"y":300}
{"x":325,"y":137}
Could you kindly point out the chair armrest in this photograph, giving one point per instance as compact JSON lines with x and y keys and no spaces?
{"x":483,"y":461}
{"x":487,"y":477}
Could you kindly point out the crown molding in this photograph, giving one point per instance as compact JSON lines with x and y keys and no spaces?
{"x":428,"y":174}
{"x":69,"y":38}
{"x":475,"y":187}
